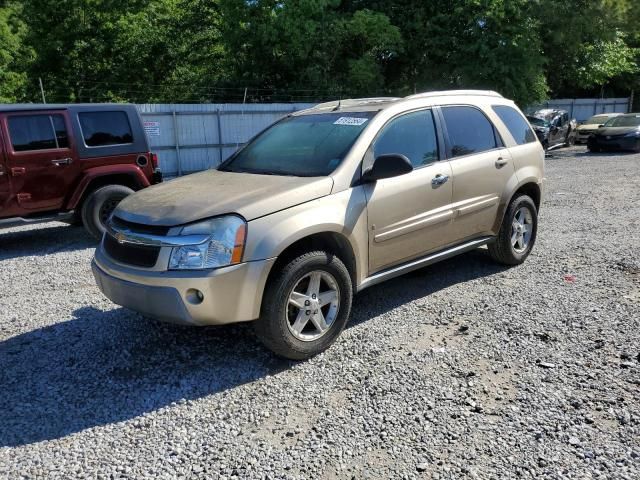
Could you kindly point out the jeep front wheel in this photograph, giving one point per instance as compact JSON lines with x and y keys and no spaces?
{"x":306,"y":306}
{"x":99,"y":205}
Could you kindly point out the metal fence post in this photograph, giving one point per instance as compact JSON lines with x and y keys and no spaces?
{"x":176,"y":135}
{"x":219,"y":123}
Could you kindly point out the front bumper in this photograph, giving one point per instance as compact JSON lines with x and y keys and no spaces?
{"x":229,"y":295}
{"x":614,"y":142}
{"x":582,"y":137}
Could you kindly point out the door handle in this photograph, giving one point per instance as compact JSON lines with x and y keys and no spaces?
{"x":501,"y":162}
{"x":439,"y":179}
{"x":61,"y":161}
{"x":17,"y":171}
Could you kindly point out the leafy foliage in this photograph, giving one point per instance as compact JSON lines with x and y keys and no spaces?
{"x":306,"y":50}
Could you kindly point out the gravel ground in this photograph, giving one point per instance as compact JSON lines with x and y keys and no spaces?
{"x":461,"y":370}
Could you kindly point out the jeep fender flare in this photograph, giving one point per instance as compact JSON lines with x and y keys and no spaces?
{"x":132,"y":171}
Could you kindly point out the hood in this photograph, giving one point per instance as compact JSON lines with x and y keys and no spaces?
{"x":588,"y":128}
{"x":616,"y":130}
{"x":211,"y":193}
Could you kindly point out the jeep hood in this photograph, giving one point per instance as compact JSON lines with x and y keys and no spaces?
{"x":210,"y":193}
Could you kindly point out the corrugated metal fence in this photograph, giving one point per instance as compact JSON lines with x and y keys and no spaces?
{"x":583,"y":108}
{"x":193,"y":137}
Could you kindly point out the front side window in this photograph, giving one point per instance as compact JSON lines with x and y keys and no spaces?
{"x":101,"y":129}
{"x":412,"y":135}
{"x":469,"y":130}
{"x":302,"y":146}
{"x":515,"y":123}
{"x":37,"y":132}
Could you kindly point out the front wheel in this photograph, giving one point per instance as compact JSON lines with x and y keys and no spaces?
{"x":306,"y":306}
{"x":517,"y":234}
{"x":99,"y":205}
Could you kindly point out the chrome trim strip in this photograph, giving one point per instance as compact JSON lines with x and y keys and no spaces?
{"x":422,"y":262}
{"x":125,"y":235}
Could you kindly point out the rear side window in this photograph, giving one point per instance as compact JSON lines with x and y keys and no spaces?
{"x":37,"y":132}
{"x":516,"y":123}
{"x":101,"y":129}
{"x":412,"y":135}
{"x":469,"y":130}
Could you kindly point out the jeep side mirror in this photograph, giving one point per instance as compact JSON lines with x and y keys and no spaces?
{"x":387,"y":166}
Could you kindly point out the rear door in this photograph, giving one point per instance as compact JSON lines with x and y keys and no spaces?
{"x":409,"y":215}
{"x":41,"y":158}
{"x":481,"y":168}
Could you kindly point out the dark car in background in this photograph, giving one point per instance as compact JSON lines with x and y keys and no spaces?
{"x":553,"y":127}
{"x":590,"y":125}
{"x":618,"y":133}
{"x":71,"y":163}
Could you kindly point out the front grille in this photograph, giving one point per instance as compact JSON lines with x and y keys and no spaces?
{"x":130,"y":254}
{"x":139,"y":227}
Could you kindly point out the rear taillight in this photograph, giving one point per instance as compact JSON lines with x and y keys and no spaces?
{"x":154,"y":160}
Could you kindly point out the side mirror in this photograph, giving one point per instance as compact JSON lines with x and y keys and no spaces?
{"x":600,"y":126}
{"x":387,"y":166}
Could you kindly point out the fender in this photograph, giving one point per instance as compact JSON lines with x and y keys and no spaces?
{"x":106,"y":170}
{"x":344,"y":213}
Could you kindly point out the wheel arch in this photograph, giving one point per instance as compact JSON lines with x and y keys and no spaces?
{"x":331,"y":242}
{"x":529,"y":187}
{"x":100,"y":177}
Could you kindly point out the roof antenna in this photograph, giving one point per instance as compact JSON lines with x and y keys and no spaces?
{"x":337,"y":107}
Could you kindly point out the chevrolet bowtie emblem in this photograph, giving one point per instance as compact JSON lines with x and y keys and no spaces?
{"x":120,"y":237}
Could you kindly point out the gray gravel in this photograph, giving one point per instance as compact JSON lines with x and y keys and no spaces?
{"x":462,"y":370}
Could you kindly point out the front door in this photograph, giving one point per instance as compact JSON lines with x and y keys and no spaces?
{"x":409,"y":215}
{"x":481,"y":166}
{"x":41,"y":159}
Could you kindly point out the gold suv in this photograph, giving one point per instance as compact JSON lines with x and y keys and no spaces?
{"x":324,"y":203}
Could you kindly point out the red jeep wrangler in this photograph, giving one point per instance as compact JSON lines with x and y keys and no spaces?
{"x":71,"y":163}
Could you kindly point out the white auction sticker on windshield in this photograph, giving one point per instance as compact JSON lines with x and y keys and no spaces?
{"x":356,"y":121}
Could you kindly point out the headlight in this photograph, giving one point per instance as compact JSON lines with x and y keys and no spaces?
{"x":633,"y":134}
{"x":223,"y":246}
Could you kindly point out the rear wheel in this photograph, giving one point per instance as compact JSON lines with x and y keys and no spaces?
{"x":99,"y":205}
{"x":517,"y":234}
{"x":306,"y":306}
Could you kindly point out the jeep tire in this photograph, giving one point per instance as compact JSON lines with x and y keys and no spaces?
{"x":99,"y":205}
{"x":305,"y":306}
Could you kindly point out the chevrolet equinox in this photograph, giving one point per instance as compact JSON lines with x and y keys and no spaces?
{"x":323,"y":204}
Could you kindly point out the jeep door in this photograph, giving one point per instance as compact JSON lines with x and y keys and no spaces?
{"x":41,"y":158}
{"x":481,"y":167}
{"x":409,"y":215}
{"x":5,"y":184}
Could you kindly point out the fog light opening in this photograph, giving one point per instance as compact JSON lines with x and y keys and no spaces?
{"x":194,"y":296}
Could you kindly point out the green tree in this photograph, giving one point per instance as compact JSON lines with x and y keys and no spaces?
{"x":14,"y":57}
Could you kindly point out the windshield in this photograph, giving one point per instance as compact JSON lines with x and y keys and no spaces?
{"x":624,"y":121}
{"x":597,"y":120}
{"x":304,"y":146}
{"x":539,"y":122}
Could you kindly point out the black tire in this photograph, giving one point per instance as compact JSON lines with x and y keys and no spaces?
{"x":99,"y":205}
{"x":569,"y":140}
{"x":502,"y":250}
{"x":273,"y":327}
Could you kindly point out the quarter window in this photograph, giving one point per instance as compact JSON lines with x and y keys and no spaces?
{"x":515,"y":123}
{"x":100,"y":129}
{"x":469,"y":130}
{"x":37,"y":132}
{"x":412,"y":135}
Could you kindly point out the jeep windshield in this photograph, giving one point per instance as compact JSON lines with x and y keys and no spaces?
{"x":302,"y":146}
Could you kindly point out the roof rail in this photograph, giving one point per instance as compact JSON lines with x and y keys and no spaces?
{"x":481,"y":93}
{"x":354,"y":102}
